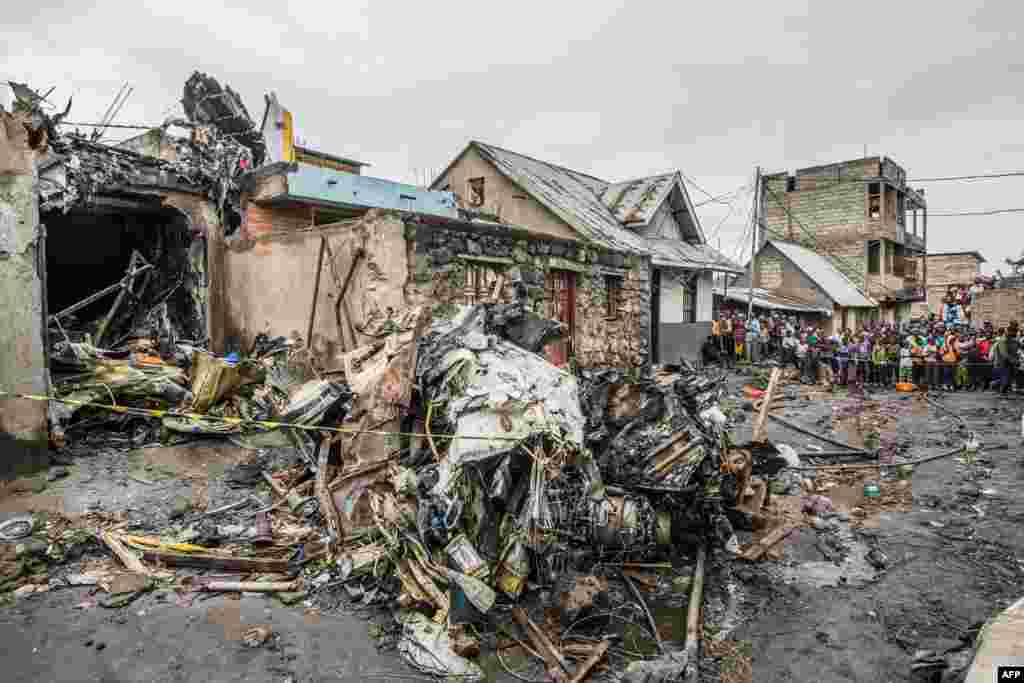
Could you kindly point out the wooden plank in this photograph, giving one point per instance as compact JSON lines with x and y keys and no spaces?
{"x":584,"y":670}
{"x":554,"y":660}
{"x":129,"y":559}
{"x":766,"y":404}
{"x":240,"y":564}
{"x":755,"y":551}
{"x":249,"y":586}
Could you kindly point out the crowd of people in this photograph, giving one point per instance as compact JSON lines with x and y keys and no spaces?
{"x":932,"y":354}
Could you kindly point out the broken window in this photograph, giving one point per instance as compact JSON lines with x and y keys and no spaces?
{"x":874,"y":201}
{"x":613,"y":287}
{"x":874,"y":258}
{"x":476,"y":191}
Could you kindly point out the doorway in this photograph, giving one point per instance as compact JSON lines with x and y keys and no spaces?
{"x":560,"y":286}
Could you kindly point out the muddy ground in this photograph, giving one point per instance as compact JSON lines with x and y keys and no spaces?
{"x":949,"y":539}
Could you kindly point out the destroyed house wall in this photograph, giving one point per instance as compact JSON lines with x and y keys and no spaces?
{"x":448,"y":254}
{"x":270,"y":277}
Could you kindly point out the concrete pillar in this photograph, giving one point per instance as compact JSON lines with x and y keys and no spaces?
{"x":22,"y":356}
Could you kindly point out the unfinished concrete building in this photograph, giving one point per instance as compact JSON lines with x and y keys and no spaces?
{"x":864,"y":217}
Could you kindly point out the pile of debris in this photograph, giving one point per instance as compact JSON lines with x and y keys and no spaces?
{"x":450,"y":467}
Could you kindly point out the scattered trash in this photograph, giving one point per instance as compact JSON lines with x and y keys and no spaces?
{"x":16,"y":528}
{"x":816,"y":505}
{"x":257,"y":636}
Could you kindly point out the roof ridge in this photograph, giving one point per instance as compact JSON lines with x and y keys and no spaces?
{"x":541,"y":161}
{"x":645,"y":177}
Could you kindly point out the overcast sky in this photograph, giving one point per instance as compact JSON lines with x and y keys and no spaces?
{"x":615,"y":89}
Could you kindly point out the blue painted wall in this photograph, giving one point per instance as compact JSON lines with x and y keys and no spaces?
{"x":312,"y":183}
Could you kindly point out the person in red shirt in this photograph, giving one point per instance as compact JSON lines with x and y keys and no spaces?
{"x":983,"y":370}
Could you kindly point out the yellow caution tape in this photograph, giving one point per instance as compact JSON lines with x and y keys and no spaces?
{"x":268,"y":424}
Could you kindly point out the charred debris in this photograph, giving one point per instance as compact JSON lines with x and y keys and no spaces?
{"x":125,"y":225}
{"x":447,"y":468}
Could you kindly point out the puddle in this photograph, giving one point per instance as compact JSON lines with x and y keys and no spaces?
{"x":854,"y":570}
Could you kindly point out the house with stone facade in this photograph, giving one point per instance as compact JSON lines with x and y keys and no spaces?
{"x":625,"y":265}
{"x":864,"y":217}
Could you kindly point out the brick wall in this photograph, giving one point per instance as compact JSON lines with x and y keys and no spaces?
{"x":999,"y":306}
{"x":262,"y":219}
{"x":951,"y":269}
{"x":827,"y":211}
{"x":443,"y":254}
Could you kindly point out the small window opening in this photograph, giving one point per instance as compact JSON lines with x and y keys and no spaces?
{"x":874,"y":201}
{"x":476,"y":191}
{"x":791,"y":183}
{"x":613,"y":287}
{"x":874,"y":257}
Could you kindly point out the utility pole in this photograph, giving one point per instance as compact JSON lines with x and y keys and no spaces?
{"x":753,"y":243}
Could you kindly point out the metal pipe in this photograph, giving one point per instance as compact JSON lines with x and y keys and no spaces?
{"x":808,"y":432}
{"x":92,"y":298}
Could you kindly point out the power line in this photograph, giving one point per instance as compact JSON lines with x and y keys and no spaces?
{"x":1010,"y":174}
{"x":814,"y":240}
{"x":719,"y":198}
{"x":107,"y":125}
{"x":990,"y":212}
{"x":694,"y":183}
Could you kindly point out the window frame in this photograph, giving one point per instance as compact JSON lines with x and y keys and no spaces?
{"x":613,"y":296}
{"x":473,"y":185}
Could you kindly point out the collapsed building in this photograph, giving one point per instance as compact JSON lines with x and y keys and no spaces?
{"x":106,"y":242}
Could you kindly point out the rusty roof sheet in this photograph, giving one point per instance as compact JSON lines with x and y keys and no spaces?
{"x":672,"y":253}
{"x":635,"y":201}
{"x":570,"y":195}
{"x":820,"y":270}
{"x":772,"y":301}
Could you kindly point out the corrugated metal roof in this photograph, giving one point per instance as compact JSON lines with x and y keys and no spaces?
{"x":773,"y":302}
{"x":572,"y":196}
{"x":835,"y":284}
{"x":635,"y":201}
{"x":678,"y":254}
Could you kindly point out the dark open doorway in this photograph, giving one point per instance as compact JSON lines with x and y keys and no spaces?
{"x":90,"y":250}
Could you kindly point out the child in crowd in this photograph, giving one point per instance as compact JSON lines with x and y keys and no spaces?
{"x":906,"y":363}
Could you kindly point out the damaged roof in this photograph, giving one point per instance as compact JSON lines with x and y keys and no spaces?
{"x":635,"y":201}
{"x":672,"y":253}
{"x":572,"y":196}
{"x":820,"y":270}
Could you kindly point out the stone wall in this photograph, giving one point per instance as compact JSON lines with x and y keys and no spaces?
{"x":443,"y":252}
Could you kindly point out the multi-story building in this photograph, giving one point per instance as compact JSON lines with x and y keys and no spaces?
{"x":863,"y":216}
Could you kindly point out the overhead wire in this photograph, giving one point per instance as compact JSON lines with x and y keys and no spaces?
{"x":814,"y":239}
